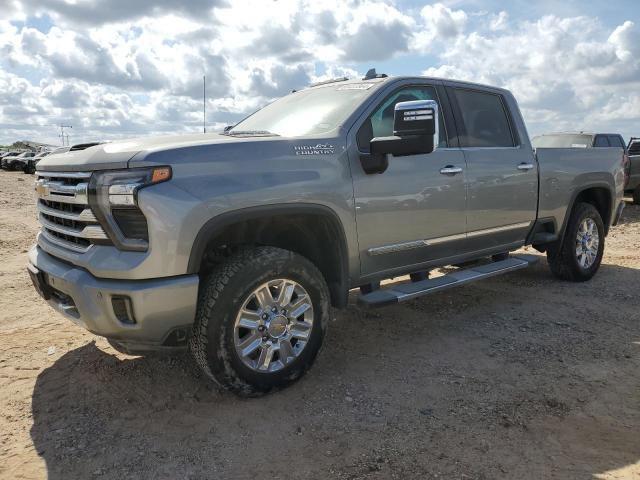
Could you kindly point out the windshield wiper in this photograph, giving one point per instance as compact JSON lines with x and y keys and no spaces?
{"x":251,"y":133}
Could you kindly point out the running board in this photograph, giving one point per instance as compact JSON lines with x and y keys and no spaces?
{"x":408,"y":291}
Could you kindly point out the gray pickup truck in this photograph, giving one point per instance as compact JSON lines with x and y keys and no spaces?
{"x":238,"y":244}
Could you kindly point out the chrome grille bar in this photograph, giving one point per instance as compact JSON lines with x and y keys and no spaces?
{"x":77,"y":175}
{"x":64,"y":243}
{"x":59,"y":192}
{"x":89,"y":232}
{"x":63,"y":211}
{"x":85,"y":216}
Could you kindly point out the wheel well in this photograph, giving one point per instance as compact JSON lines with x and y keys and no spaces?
{"x":600,"y":198}
{"x":316,"y":236}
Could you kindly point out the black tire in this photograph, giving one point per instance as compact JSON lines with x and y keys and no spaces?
{"x":562,"y":257}
{"x":223,"y":292}
{"x":636,"y":196}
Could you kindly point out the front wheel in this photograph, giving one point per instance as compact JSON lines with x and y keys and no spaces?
{"x":261,"y":319}
{"x":580,"y":255}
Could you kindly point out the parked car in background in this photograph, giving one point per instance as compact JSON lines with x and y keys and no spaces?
{"x":587,"y":140}
{"x":578,"y":140}
{"x":633,"y":187}
{"x":15,"y":162}
{"x":238,"y":244}
{"x":5,"y":156}
{"x":29,"y":164}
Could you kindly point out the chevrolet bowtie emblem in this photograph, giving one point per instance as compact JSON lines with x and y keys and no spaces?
{"x":42,"y":189}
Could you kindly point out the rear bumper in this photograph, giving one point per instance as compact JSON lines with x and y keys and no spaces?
{"x":160,"y":307}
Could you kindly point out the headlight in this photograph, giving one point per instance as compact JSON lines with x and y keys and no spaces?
{"x":113,"y":197}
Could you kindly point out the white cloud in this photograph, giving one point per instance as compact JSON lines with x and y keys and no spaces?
{"x":562,"y":70}
{"x":125,"y":67}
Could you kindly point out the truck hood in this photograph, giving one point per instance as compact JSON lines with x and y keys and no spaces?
{"x":115,"y":155}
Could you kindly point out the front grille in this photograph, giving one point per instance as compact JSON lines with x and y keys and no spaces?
{"x":64,"y":212}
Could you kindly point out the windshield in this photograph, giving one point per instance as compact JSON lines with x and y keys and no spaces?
{"x":307,"y":112}
{"x":577,"y":140}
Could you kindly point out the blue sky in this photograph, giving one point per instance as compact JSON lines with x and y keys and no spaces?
{"x":118,"y":68}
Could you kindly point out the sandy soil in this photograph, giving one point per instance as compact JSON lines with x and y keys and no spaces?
{"x":521,"y":376}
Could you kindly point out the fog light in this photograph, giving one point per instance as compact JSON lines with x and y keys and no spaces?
{"x":123,"y":310}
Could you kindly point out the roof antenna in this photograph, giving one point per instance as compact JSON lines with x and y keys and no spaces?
{"x":371,"y":74}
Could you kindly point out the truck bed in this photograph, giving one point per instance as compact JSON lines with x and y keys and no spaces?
{"x":565,"y":172}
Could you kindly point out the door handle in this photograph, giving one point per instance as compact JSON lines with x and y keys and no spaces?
{"x":450,"y":170}
{"x":525,"y":166}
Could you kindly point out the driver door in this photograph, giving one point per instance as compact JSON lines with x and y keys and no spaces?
{"x":414,"y":212}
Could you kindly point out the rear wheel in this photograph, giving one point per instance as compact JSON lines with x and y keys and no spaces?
{"x":261,"y":319}
{"x":580,"y":255}
{"x":636,"y":196}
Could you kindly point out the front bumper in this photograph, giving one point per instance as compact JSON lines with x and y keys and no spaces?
{"x":161,"y":307}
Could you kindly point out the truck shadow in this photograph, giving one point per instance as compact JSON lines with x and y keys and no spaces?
{"x":486,"y":387}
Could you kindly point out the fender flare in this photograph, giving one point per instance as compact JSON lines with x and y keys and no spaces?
{"x":572,"y":203}
{"x":339,"y":290}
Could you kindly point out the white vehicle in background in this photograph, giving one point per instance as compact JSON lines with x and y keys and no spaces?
{"x":15,"y":162}
{"x":599,"y":140}
{"x":29,"y":165}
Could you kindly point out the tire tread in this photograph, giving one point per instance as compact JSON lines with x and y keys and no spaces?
{"x":561,"y":257}
{"x":212,"y":289}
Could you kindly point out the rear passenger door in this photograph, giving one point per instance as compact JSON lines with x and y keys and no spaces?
{"x":502,"y":176}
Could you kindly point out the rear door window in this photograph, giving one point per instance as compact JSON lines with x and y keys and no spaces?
{"x":485,"y":119}
{"x":601,"y":141}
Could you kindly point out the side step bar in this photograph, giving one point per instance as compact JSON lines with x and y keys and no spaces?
{"x":408,"y":291}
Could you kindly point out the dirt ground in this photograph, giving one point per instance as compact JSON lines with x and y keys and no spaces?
{"x":519,"y":377}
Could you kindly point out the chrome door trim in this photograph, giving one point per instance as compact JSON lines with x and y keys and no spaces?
{"x":396,"y":247}
{"x":448,"y":238}
{"x":504,"y":228}
{"x":401,"y":247}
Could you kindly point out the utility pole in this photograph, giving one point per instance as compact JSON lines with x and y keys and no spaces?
{"x":204,"y":104}
{"x":62,"y":134}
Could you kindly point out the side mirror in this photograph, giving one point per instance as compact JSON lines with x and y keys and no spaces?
{"x":415,"y":132}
